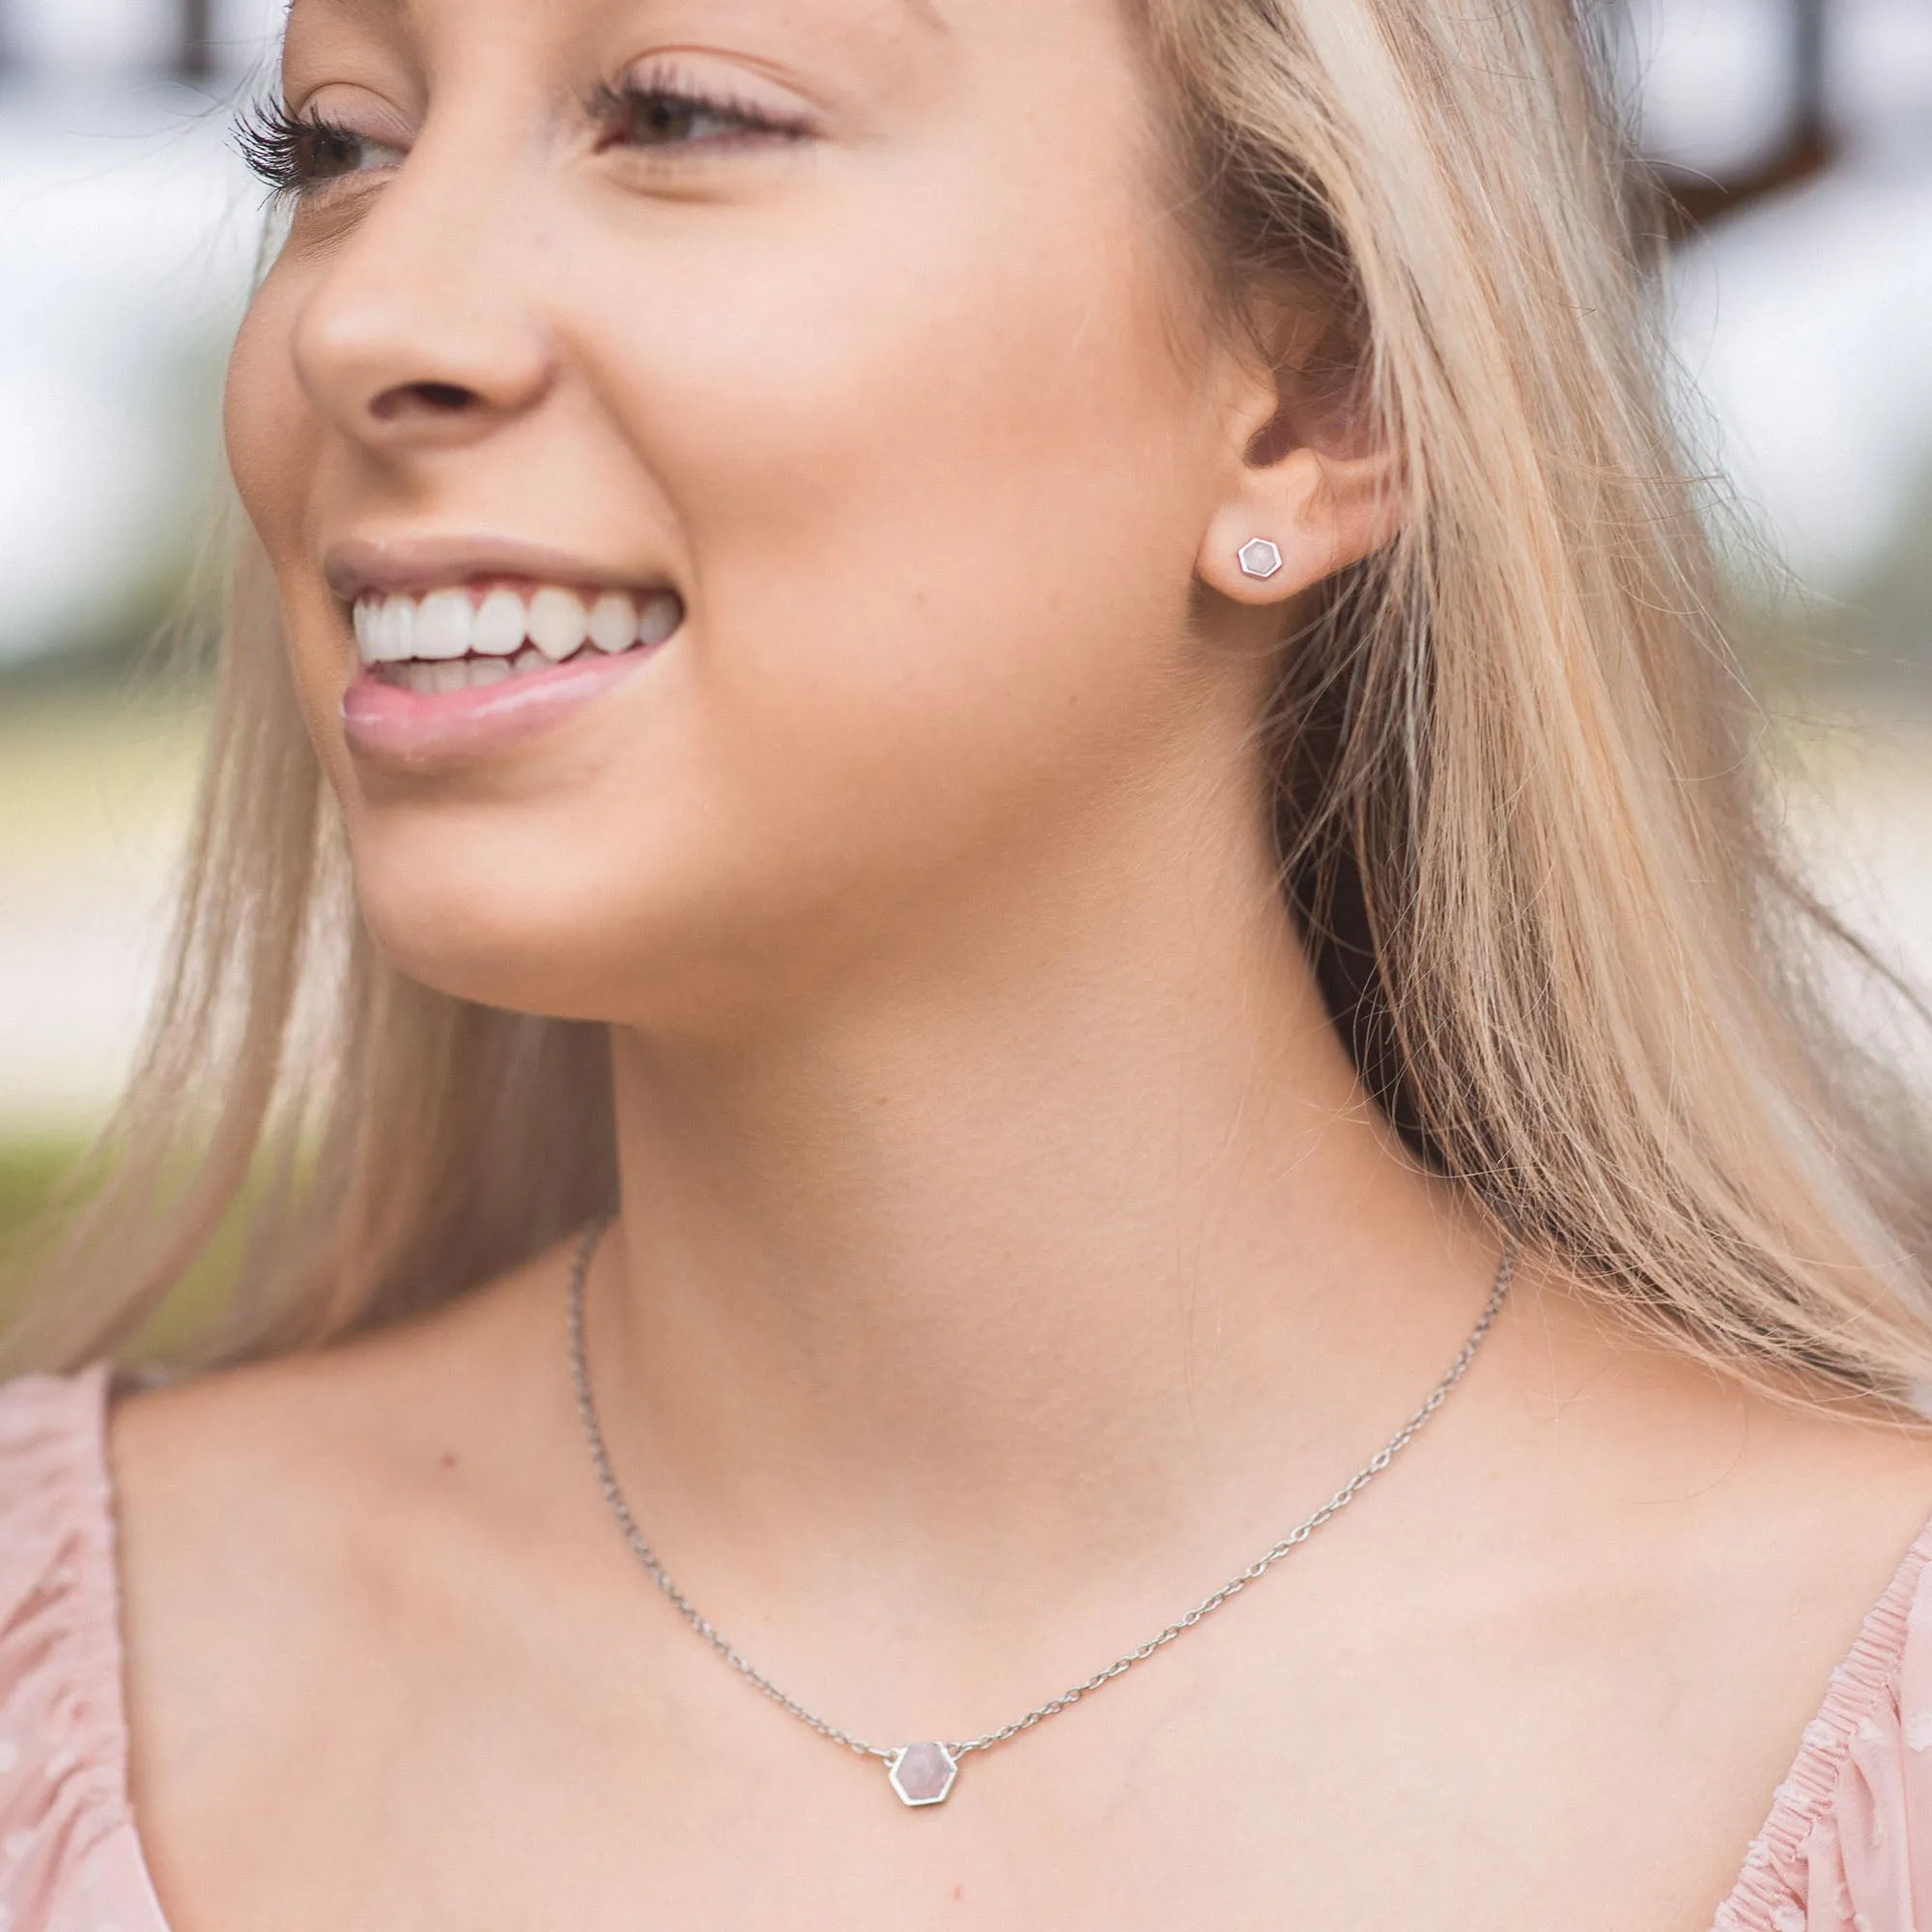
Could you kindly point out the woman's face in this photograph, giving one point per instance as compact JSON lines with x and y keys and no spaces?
{"x":841,"y":368}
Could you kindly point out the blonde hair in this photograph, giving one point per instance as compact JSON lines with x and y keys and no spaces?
{"x":1520,"y":819}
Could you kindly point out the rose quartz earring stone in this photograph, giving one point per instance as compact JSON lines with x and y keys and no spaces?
{"x":1259,"y":558}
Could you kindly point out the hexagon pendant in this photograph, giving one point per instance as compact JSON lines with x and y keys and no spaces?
{"x":922,"y":1774}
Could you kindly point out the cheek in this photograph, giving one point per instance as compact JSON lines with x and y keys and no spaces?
{"x":271,"y":435}
{"x":941,"y":394}
{"x":940,"y":484}
{"x":276,"y":446}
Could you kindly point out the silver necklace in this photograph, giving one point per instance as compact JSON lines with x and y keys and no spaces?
{"x":923,"y":1773}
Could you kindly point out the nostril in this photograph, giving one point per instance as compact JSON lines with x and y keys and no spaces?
{"x":441,"y":399}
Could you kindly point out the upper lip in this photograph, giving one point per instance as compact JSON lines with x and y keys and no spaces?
{"x":404,"y":564}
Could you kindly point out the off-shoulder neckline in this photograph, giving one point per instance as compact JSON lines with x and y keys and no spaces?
{"x":1854,"y":1689}
{"x":97,"y":1614}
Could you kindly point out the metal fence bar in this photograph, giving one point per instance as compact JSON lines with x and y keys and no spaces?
{"x":194,"y":39}
{"x":1810,"y":143}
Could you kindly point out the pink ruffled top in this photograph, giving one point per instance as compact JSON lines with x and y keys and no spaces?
{"x":1847,"y":1847}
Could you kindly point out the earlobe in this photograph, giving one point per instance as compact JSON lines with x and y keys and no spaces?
{"x":1296,"y":521}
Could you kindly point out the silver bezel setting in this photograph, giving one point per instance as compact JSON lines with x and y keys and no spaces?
{"x":1260,"y":558}
{"x":897,"y":1757}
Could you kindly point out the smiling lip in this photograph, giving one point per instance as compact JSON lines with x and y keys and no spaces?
{"x":410,"y":727}
{"x":421,"y":563}
{"x":386,"y":720}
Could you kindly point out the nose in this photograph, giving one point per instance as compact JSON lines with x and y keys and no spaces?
{"x":416,"y":336}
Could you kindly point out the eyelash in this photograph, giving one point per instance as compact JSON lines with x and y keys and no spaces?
{"x":656,"y":90}
{"x":285,"y":150}
{"x":280,"y":146}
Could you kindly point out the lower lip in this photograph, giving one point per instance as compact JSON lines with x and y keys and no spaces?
{"x":416,"y":728}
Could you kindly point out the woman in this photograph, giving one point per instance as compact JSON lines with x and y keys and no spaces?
{"x":1045,"y":816}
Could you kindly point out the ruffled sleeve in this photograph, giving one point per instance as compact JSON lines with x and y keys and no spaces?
{"x":1848,"y":1845}
{"x":69,"y":1860}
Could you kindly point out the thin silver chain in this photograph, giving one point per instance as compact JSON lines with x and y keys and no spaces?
{"x":606,"y":1479}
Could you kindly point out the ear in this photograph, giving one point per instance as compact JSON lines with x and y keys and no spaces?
{"x":1309,"y":495}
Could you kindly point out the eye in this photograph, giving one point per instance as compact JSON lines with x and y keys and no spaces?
{"x":294,"y":153}
{"x":661,"y":113}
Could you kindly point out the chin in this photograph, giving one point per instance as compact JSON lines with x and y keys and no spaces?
{"x":465,"y":919}
{"x":492,"y":957}
{"x":659,"y":950}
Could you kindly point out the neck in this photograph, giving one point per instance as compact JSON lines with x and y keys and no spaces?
{"x":1084,"y":1252}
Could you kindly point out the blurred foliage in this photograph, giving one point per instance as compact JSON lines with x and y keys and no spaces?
{"x":30,"y":1171}
{"x":32,"y":1174}
{"x":1870,"y":642}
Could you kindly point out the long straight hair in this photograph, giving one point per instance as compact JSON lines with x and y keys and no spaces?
{"x":1520,"y":820}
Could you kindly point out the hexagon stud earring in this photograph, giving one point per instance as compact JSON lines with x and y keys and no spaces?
{"x":1258,"y":557}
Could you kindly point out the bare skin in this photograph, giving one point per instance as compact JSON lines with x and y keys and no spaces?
{"x":1008,"y":1253}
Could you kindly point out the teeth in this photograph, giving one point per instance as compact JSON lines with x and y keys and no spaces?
{"x":500,"y":624}
{"x":662,"y":616}
{"x":450,"y":631}
{"x":614,"y":622}
{"x":395,"y":629}
{"x":456,"y":673}
{"x":558,"y":623}
{"x":445,"y":622}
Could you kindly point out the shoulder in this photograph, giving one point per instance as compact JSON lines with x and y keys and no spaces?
{"x":283,"y":1524}
{"x":1849,"y":1839}
{"x":1774,"y":1558}
{"x":66,"y":1828}
{"x":1621,"y":1432}
{"x":278,"y":1479}
{"x":286,"y":1449}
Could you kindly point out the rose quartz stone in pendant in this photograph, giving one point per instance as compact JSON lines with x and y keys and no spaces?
{"x":922,"y":1774}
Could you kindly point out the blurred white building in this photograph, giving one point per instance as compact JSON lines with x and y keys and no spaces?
{"x":126,"y":239}
{"x":217,"y":37}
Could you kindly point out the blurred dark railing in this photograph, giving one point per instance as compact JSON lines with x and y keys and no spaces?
{"x":1805,"y":146}
{"x":195,"y":55}
{"x":194,"y":39}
